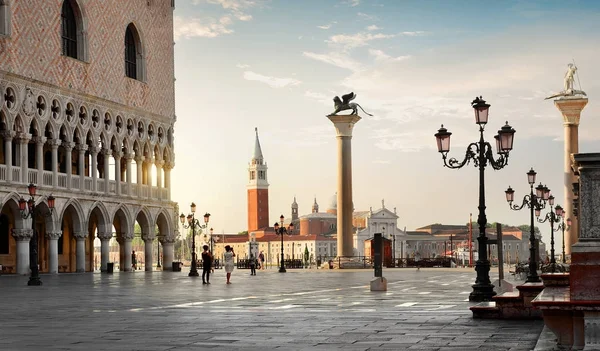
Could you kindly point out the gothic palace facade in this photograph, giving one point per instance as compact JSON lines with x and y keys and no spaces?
{"x":87,"y":114}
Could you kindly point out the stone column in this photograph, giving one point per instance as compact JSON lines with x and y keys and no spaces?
{"x":167,"y":168}
{"x":104,"y":249}
{"x":80,"y":251}
{"x":129,"y":158}
{"x":8,"y":137}
{"x":106,"y":153}
{"x":117,"y":156}
{"x":94,"y":152}
{"x":159,"y":167}
{"x":127,"y":238}
{"x":24,"y":157}
{"x":121,"y":242}
{"x":53,"y":251}
{"x":167,"y":242}
{"x":81,"y":170}
{"x":22,"y":237}
{"x":345,"y":208}
{"x":148,"y":168}
{"x":69,"y":161}
{"x":54,"y":143}
{"x":139,"y":162}
{"x":571,"y":108}
{"x":39,"y":157}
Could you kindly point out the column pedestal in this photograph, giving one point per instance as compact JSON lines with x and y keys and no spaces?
{"x":104,"y":250}
{"x":345,"y":206}
{"x":570,"y":108}
{"x":168,"y":251}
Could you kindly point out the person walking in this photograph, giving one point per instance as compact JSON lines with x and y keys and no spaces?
{"x":261,"y":258}
{"x":229,"y":255}
{"x":206,"y":264}
{"x":133,"y":260}
{"x":252,"y":264}
{"x":417,"y":259}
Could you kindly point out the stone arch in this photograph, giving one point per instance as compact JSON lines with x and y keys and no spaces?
{"x":34,"y":128}
{"x":98,"y":208}
{"x":12,"y":201}
{"x":98,"y":226}
{"x":137,"y":148}
{"x":72,"y":226}
{"x":123,"y":216}
{"x":77,"y":136}
{"x":78,"y":210}
{"x":18,"y":125}
{"x":157,"y":153}
{"x":81,"y":20}
{"x":4,"y":123}
{"x":163,"y":223}
{"x":144,"y":218}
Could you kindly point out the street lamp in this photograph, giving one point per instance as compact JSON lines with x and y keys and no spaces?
{"x":535,"y":202}
{"x":564,"y":226}
{"x":158,"y":254}
{"x":209,"y":239}
{"x":280,"y":230}
{"x":28,"y":209}
{"x":193,"y":223}
{"x":552,"y":216}
{"x":481,"y":154}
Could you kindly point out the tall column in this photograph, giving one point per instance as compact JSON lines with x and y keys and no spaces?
{"x":148,"y":253}
{"x":53,"y":251}
{"x":168,"y":167}
{"x":345,"y":208}
{"x":8,"y":137}
{"x":22,"y":237}
{"x":104,"y":249}
{"x":121,"y":242}
{"x":69,"y":161}
{"x":24,"y":157}
{"x":80,"y":251}
{"x":81,"y":148}
{"x":106,"y":153}
{"x":159,"y":167}
{"x":94,"y":151}
{"x":167,"y":242}
{"x":54,"y":143}
{"x":117,"y":156}
{"x":571,"y":108}
{"x":128,"y":159}
{"x":39,"y":157}
{"x":127,"y":238}
{"x":139,"y":162}
{"x":148,"y":168}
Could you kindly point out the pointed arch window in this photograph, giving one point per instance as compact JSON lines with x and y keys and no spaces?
{"x":4,"y":18}
{"x":130,"y":55}
{"x":69,"y":30}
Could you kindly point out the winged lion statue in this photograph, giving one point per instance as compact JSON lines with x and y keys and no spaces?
{"x":345,"y":104}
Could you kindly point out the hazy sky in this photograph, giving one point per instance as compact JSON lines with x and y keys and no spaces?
{"x":276,"y":65}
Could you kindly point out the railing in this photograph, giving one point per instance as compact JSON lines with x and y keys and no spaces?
{"x":74,"y":182}
{"x":100,"y":185}
{"x":2,"y":172}
{"x":145,"y":191}
{"x":16,"y":174}
{"x":112,"y":186}
{"x":124,"y":188}
{"x":154,"y":193}
{"x":87,"y":184}
{"x":47,"y":178}
{"x":62,"y":180}
{"x":165,"y":194}
{"x":133,"y":190}
{"x":32,"y":176}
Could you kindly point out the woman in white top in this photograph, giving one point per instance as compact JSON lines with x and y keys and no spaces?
{"x":229,"y":255}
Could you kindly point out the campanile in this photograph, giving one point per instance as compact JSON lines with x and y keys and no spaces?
{"x":258,"y":190}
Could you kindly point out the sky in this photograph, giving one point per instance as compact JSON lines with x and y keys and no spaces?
{"x":414,"y":65}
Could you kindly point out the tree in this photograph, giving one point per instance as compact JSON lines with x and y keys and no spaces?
{"x":245,"y":232}
{"x":526,"y":228}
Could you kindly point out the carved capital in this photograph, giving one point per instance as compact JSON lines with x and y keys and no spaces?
{"x":22,"y":138}
{"x":169,"y":165}
{"x":22,"y":234}
{"x":148,"y":238}
{"x":127,"y":236}
{"x":139,"y":158}
{"x":104,"y":236}
{"x":39,"y":140}
{"x":106,"y":152}
{"x":53,"y":235}
{"x":117,"y":155}
{"x":80,"y":235}
{"x":54,"y":143}
{"x":571,"y":109}
{"x":344,"y":124}
{"x":94,"y":150}
{"x":7,"y":135}
{"x":129,"y":157}
{"x":81,"y":148}
{"x":68,"y":145}
{"x":159,"y":163}
{"x":169,"y":238}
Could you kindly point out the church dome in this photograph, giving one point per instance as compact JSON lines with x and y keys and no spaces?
{"x":333,"y":203}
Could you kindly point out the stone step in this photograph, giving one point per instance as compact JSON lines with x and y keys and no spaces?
{"x":509,"y":295}
{"x":555,"y":279}
{"x":486,"y":310}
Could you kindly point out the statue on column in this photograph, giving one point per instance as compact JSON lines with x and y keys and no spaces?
{"x":569,"y":87}
{"x":345,"y":104}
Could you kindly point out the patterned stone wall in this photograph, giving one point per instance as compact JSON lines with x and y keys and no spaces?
{"x":33,"y":50}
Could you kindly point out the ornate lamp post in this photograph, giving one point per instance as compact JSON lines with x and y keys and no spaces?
{"x":29,"y":209}
{"x":564,"y":226}
{"x":552,"y":216}
{"x":481,"y":154}
{"x":209,"y":239}
{"x":194,"y":223}
{"x":535,"y":202}
{"x":280,"y":230}
{"x":158,"y":254}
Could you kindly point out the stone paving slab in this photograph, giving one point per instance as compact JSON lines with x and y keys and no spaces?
{"x":298,"y":310}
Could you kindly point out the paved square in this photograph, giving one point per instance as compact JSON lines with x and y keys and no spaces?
{"x":298,"y":310}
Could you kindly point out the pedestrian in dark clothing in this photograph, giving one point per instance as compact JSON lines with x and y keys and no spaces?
{"x":206,"y":265}
{"x":133,"y":260}
{"x":252,"y":264}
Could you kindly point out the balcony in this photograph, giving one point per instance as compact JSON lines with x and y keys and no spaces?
{"x":77,"y":184}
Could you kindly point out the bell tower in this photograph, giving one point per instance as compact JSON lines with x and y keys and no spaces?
{"x":294,"y":210}
{"x":258,"y":190}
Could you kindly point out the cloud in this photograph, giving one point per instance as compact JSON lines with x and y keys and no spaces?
{"x":207,"y":28}
{"x":356,"y":40}
{"x":273,"y":82}
{"x":236,"y":7}
{"x":320,"y":97}
{"x":336,"y":59}
{"x":366,"y":17}
{"x":382,"y":56}
{"x":373,"y":27}
{"x":351,"y":3}
{"x":242,"y":65}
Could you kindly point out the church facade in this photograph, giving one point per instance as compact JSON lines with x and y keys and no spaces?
{"x":87,"y":115}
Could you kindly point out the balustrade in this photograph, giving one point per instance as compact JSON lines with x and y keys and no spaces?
{"x":87,"y":185}
{"x":74,"y":181}
{"x":2,"y":172}
{"x":62,"y":180}
{"x":100,"y":185}
{"x":32,"y":176}
{"x":16,"y":174}
{"x":47,"y":178}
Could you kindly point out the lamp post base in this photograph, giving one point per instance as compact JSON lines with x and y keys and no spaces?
{"x":533,"y":279}
{"x":282,"y":270}
{"x":193,"y":274}
{"x":34,"y":281}
{"x":482,"y":292}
